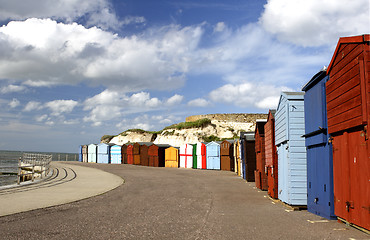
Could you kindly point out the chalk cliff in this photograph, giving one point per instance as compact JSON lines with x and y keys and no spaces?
{"x":195,"y":129}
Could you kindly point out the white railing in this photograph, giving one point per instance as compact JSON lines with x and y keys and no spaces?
{"x":33,"y":165}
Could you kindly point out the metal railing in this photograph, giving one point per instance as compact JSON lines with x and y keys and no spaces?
{"x":33,"y":164}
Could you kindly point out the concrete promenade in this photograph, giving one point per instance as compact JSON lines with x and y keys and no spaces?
{"x":65,"y":184}
{"x":158,"y":203}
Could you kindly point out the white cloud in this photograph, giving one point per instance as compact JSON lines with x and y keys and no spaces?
{"x":248,"y":95}
{"x":32,"y":105}
{"x":14,"y":103}
{"x":111,"y":105}
{"x":71,"y":122}
{"x":140,"y":122}
{"x":42,"y":52}
{"x":12,"y":88}
{"x":107,"y":97}
{"x":133,"y":19}
{"x":142,"y":99}
{"x":41,"y":118}
{"x":97,"y":12}
{"x":316,"y":22}
{"x":220,"y":26}
{"x":61,"y":106}
{"x":198,"y":102}
{"x":174,"y":100}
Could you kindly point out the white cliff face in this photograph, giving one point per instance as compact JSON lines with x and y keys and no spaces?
{"x":174,"y":137}
{"x":131,"y":137}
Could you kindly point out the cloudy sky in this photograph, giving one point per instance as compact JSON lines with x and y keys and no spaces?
{"x":72,"y":71}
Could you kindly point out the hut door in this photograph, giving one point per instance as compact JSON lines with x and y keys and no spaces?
{"x":351,"y":164}
{"x":283,"y":168}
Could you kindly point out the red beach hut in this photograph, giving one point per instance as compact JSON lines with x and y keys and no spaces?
{"x":157,"y":155}
{"x":271,"y":158}
{"x":130,"y":154}
{"x":136,"y":153}
{"x":260,"y":175}
{"x":124,"y":153}
{"x":144,"y":156}
{"x":348,"y":106}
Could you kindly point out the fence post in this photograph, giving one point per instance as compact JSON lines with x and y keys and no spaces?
{"x":33,"y":168}
{"x":19,"y":171}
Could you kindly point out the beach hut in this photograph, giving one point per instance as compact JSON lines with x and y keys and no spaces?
{"x":104,"y":153}
{"x":195,"y":158}
{"x":80,"y":153}
{"x":136,"y":153}
{"x":156,"y":154}
{"x":213,"y":155}
{"x":186,"y":156}
{"x":248,"y":155}
{"x":320,"y":195}
{"x":91,"y":152}
{"x":124,"y":153}
{"x":260,"y":175}
{"x":115,"y":154}
{"x":201,"y":156}
{"x":84,"y":153}
{"x":130,"y":153}
{"x":348,"y":109}
{"x":144,"y":156}
{"x":236,"y":156}
{"x":172,"y":157}
{"x":292,"y":165}
{"x":271,"y":158}
{"x":227,"y":158}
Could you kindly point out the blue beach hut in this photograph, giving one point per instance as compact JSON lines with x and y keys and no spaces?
{"x":80,"y":153}
{"x":291,"y":150}
{"x":103,"y":153}
{"x":91,"y":152}
{"x":320,"y":190}
{"x":213,"y":156}
{"x":115,"y":154}
{"x":247,"y":155}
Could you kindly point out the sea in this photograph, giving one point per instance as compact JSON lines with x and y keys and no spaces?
{"x":9,"y":163}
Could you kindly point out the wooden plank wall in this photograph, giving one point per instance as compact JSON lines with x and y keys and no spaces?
{"x":281,"y":122}
{"x":343,"y":90}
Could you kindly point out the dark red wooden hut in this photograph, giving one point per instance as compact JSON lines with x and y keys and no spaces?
{"x":226,"y":152}
{"x":136,"y":153}
{"x":144,"y":156}
{"x":271,"y":158}
{"x":130,"y":154}
{"x":124,"y":153}
{"x":157,"y":155}
{"x":348,"y":106}
{"x":260,"y":175}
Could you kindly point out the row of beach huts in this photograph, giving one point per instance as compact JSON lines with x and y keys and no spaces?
{"x":313,"y":150}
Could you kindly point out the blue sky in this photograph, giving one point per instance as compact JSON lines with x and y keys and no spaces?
{"x":72,"y":71}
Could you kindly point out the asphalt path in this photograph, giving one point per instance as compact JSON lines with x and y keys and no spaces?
{"x":165,"y":203}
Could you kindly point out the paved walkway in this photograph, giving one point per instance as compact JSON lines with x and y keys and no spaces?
{"x":66,"y":184}
{"x":163,"y":203}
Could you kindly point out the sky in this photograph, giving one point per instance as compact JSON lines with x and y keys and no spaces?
{"x":73,"y":71}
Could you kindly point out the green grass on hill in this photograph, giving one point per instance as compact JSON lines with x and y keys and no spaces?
{"x":204,"y":122}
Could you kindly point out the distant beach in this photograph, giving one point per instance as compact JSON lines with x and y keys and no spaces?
{"x":9,"y":163}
